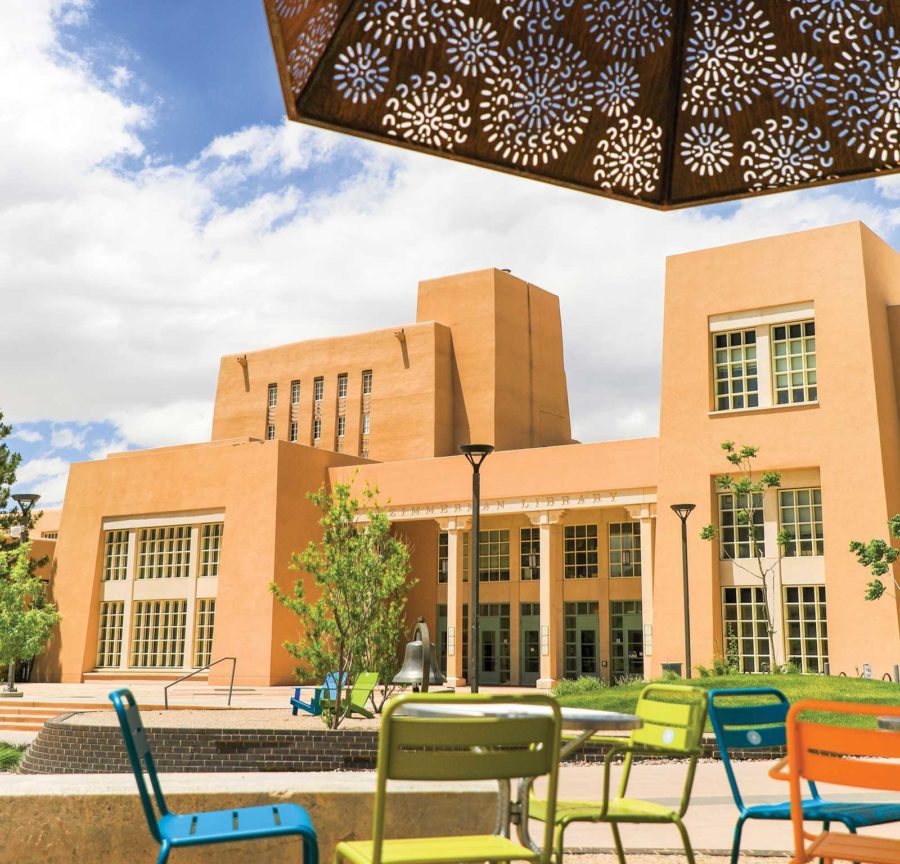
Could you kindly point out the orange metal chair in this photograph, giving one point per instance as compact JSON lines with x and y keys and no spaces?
{"x":864,"y":758}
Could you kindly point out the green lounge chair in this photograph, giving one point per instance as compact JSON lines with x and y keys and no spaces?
{"x":355,"y":703}
{"x":671,"y":728}
{"x":459,"y":749}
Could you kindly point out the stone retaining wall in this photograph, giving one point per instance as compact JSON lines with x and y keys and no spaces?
{"x":66,"y":748}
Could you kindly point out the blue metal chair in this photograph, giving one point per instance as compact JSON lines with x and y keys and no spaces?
{"x":327,"y":691}
{"x":200,"y":829}
{"x":748,"y":727}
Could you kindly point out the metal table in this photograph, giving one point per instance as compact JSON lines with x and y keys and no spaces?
{"x":585,"y":721}
{"x":892,"y":723}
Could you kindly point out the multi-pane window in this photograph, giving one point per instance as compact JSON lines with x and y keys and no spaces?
{"x":210,"y":547}
{"x":367,"y":382}
{"x":580,"y":555}
{"x":495,"y":641}
{"x":801,"y":515}
{"x":443,"y":556}
{"x":270,"y":431}
{"x":744,"y":628}
{"x":318,"y":389}
{"x":341,"y":426}
{"x":736,"y":512}
{"x":806,"y":627}
{"x":294,"y":430}
{"x":625,"y":549}
{"x":529,"y":553}
{"x":581,"y":622}
{"x":109,"y":642}
{"x":295,"y":392}
{"x":164,"y":553}
{"x":157,"y":633}
{"x":203,"y":631}
{"x":794,"y":363}
{"x":734,"y":360}
{"x":342,"y":385}
{"x":493,"y":556}
{"x":115,"y":556}
{"x":366,"y":423}
{"x":317,"y":428}
{"x":273,"y":395}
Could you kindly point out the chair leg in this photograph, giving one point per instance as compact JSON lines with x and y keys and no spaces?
{"x":164,"y":850}
{"x":620,"y":852}
{"x":310,"y":849}
{"x":736,"y":843}
{"x":688,"y":849}
{"x":558,"y":843}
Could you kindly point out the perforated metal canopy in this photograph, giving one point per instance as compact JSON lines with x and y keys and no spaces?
{"x":667,"y":103}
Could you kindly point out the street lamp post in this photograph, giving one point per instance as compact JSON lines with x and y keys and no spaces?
{"x":683,"y":511}
{"x":476,"y":454}
{"x":26,"y":502}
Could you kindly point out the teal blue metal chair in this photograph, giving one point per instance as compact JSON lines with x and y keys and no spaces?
{"x":763,"y":724}
{"x":200,"y":829}
{"x":328,"y":691}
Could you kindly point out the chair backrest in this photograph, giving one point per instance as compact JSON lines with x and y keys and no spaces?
{"x":469,"y":748}
{"x":846,"y":756}
{"x":673,"y":716}
{"x":363,"y":686}
{"x":140,"y":756}
{"x":331,"y":684}
{"x":747,"y":726}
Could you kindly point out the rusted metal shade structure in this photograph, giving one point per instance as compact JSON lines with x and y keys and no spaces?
{"x":667,"y":103}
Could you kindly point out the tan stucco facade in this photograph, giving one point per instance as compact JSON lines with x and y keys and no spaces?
{"x":581,"y":553}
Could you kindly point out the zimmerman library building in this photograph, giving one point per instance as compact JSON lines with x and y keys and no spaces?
{"x":163,"y":557}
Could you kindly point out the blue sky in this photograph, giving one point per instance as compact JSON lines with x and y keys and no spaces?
{"x":157,"y":212}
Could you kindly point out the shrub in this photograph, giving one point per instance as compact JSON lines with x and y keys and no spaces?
{"x":585,"y":684}
{"x":10,"y":756}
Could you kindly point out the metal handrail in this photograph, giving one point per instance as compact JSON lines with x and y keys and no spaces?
{"x":201,"y":669}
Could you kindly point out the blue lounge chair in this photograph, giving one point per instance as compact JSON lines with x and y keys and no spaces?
{"x":327,"y":691}
{"x":200,"y":829}
{"x":747,"y":727}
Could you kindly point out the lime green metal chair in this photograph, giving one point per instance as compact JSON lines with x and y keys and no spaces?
{"x":673,"y":719}
{"x":453,"y":749}
{"x":355,"y":703}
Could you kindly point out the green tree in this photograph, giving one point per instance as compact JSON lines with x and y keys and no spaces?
{"x":749,"y":496}
{"x":9,"y":463}
{"x":360,"y":571}
{"x":26,"y":619}
{"x":878,"y":555}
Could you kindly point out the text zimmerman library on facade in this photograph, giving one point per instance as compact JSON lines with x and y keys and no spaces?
{"x":792,"y":343}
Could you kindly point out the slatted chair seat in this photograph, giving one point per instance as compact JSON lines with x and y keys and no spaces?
{"x":853,"y":847}
{"x":853,"y":816}
{"x":173,"y":830}
{"x":618,"y":809}
{"x":484,"y":847}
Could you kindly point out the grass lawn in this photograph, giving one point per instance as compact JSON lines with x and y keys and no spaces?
{"x":624,"y":698}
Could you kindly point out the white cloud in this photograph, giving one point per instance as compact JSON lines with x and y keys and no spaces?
{"x":29,"y":436}
{"x":40,"y":469}
{"x":67,"y":438}
{"x":146,"y":277}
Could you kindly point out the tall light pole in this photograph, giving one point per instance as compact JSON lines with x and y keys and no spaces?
{"x":683,"y":511}
{"x":26,"y":502}
{"x":476,"y":454}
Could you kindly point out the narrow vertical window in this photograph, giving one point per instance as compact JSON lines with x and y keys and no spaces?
{"x":744,"y":626}
{"x":443,"y":556}
{"x":734,"y":361}
{"x":341,"y":426}
{"x":806,"y":627}
{"x":203,"y":631}
{"x":801,"y":515}
{"x":529,"y":554}
{"x":115,"y":557}
{"x":109,"y":644}
{"x":342,"y":385}
{"x":366,"y":423}
{"x":295,"y":392}
{"x":317,"y":429}
{"x":794,"y":363}
{"x":367,"y":382}
{"x":625,"y":549}
{"x":318,"y":389}
{"x":270,"y":431}
{"x":273,"y":395}
{"x":580,"y":552}
{"x":210,"y":547}
{"x":294,"y":428}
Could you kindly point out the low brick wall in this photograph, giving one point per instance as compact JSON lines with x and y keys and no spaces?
{"x":66,"y":748}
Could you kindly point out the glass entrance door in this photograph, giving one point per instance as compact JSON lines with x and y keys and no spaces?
{"x":493,"y":634}
{"x":442,"y":637}
{"x":529,"y":627}
{"x":582,"y":626}
{"x":626,"y":631}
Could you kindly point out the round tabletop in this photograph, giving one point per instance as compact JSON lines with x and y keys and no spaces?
{"x":583,"y":719}
{"x":892,"y":723}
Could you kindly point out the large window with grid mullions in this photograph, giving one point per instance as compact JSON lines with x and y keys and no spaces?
{"x":800,"y":512}
{"x":493,"y":556}
{"x":625,"y":549}
{"x":735,"y":370}
{"x":744,"y":628}
{"x":443,"y":568}
{"x":529,"y":554}
{"x":157,"y":633}
{"x":806,"y":627}
{"x":210,"y":549}
{"x":109,"y":637}
{"x":115,"y":556}
{"x":735,"y":538}
{"x":794,"y":363}
{"x":164,"y":553}
{"x":205,"y":621}
{"x":580,"y":552}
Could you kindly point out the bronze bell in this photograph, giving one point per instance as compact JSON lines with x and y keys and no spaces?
{"x":419,"y":657}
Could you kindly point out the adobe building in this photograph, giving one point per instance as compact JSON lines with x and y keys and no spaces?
{"x":164,"y":557}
